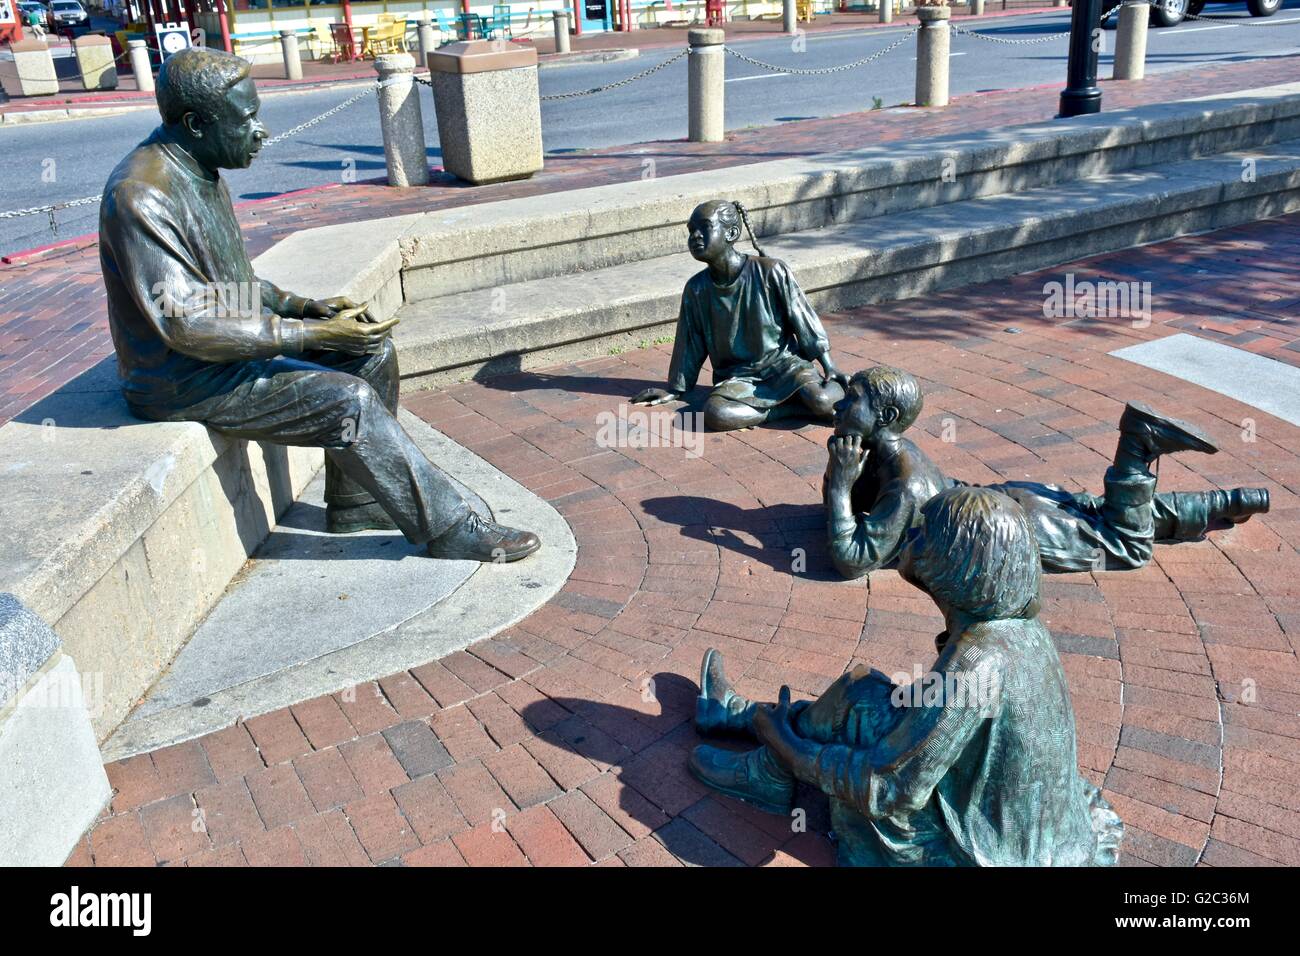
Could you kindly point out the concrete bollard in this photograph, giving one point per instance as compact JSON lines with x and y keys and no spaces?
{"x":932,"y":56}
{"x":886,"y":10}
{"x":401,"y":121}
{"x":292,"y":58}
{"x":140,"y":65}
{"x":977,"y":8}
{"x":562,"y":31}
{"x":789,"y":16}
{"x":428,"y":41}
{"x":705,"y":87}
{"x":1131,"y":42}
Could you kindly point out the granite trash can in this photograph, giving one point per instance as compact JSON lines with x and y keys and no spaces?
{"x":489,"y":114}
{"x":32,"y":72}
{"x":95,"y":59}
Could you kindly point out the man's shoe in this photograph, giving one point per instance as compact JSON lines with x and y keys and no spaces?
{"x":1148,"y":434}
{"x":475,"y":538}
{"x":349,"y":519}
{"x":753,"y":776}
{"x":719,"y":709}
{"x":1238,"y":504}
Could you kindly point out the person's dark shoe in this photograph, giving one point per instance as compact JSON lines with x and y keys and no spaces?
{"x":719,"y":709}
{"x":1147,"y":434}
{"x":367,"y":517}
{"x":753,"y":776}
{"x":1238,"y":504}
{"x":475,"y":538}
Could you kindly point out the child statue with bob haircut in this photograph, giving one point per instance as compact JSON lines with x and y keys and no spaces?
{"x":989,"y":779}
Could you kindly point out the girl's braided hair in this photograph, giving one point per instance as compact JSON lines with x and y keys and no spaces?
{"x":732,"y":213}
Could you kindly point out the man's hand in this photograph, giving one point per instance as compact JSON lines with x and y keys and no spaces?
{"x":330,"y":308}
{"x":347,"y":332}
{"x":847,"y":458}
{"x":772,"y":726}
{"x":654,"y":396}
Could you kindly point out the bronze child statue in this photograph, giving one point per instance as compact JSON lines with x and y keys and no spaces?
{"x":199,"y":337}
{"x":877,"y":480}
{"x":746,"y":315}
{"x":982,"y":773}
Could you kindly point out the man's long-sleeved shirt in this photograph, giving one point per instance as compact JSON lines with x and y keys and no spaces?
{"x":869,"y":530}
{"x":184,"y":304}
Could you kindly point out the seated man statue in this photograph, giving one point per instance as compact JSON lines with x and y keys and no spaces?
{"x":980,"y":769}
{"x":749,"y":318}
{"x":877,"y":481}
{"x":200,"y":338}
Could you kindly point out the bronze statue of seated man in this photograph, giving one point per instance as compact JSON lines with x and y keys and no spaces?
{"x":747,"y":316}
{"x":877,"y":480}
{"x":977,"y":769}
{"x":199,"y":337}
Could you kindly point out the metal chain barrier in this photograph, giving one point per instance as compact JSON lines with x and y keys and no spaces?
{"x":1235,"y":22}
{"x":51,"y":209}
{"x":991,"y":38}
{"x":324,"y":116}
{"x":824,"y":70}
{"x":624,"y":82}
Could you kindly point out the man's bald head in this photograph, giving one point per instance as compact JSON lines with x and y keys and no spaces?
{"x":197,"y":80}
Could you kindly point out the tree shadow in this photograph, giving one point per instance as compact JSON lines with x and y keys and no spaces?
{"x":649,"y":754}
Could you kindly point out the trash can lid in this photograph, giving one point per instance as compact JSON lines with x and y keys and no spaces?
{"x":482,"y":56}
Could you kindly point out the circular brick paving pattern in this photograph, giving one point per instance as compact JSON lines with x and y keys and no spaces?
{"x":565,"y":739}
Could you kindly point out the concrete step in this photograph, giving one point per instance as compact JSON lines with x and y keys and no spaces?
{"x":405,"y":259}
{"x":543,"y":320}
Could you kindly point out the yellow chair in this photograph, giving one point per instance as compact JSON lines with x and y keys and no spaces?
{"x":804,"y":11}
{"x":387,"y":38}
{"x":321,"y":42}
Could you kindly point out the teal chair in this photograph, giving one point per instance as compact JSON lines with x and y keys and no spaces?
{"x":499,"y":25}
{"x":446,"y":26}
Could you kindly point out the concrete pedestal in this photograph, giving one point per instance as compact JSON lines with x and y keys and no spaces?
{"x":95,"y":58}
{"x":141,"y":68}
{"x":52,"y":780}
{"x":560,"y":23}
{"x":706,"y":85}
{"x":489,"y":111}
{"x":1131,"y":42}
{"x":32,"y":72}
{"x":932,"y":45}
{"x":425,"y":33}
{"x":401,"y":121}
{"x":292,"y":58}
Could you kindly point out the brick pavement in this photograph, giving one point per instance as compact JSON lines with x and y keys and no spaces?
{"x":564,"y":739}
{"x":52,"y":320}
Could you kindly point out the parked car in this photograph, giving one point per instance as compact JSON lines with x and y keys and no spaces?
{"x":1168,"y":13}
{"x":68,"y":13}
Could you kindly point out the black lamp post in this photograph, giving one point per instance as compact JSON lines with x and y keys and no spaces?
{"x":1081,"y":94}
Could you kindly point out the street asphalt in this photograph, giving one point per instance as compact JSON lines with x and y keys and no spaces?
{"x":56,"y":162}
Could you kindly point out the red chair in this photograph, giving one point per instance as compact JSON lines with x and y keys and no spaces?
{"x":714,"y":15}
{"x":345,"y":44}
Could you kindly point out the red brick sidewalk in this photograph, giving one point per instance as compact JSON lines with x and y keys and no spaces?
{"x":52,"y":321}
{"x":570,"y":732}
